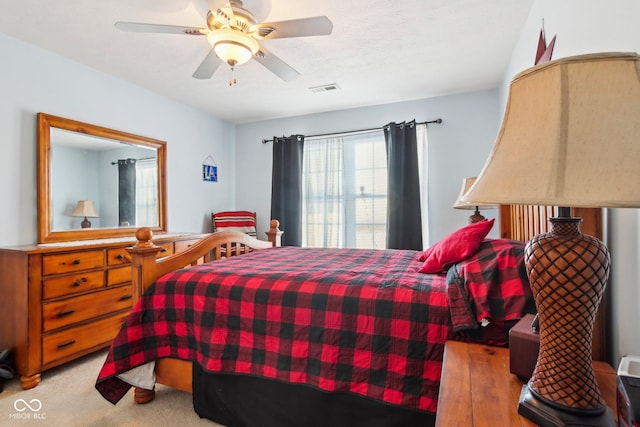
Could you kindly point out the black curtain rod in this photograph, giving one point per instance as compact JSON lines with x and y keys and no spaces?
{"x":264,"y":141}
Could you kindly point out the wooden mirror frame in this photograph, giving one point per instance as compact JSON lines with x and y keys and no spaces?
{"x":45,"y":232}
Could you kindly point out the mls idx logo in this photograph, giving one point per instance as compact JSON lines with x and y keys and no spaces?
{"x":27,"y":410}
{"x":22,"y":405}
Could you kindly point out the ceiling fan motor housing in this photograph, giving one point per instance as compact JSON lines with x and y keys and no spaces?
{"x":235,"y":17}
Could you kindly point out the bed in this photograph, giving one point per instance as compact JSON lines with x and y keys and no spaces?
{"x":371,"y":352}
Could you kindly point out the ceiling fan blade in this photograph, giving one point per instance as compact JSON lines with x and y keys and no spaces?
{"x":159,"y":28}
{"x":208,"y":66}
{"x":315,"y":26}
{"x":276,"y":65}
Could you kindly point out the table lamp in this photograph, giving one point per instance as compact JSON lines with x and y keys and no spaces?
{"x":86,"y":209}
{"x":570,"y":137}
{"x":459,"y":204}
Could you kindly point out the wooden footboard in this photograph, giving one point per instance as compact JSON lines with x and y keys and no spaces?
{"x":146,"y":269}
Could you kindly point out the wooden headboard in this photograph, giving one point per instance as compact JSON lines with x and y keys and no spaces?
{"x":522,"y":222}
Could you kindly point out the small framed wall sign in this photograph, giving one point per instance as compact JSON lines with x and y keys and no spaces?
{"x":209,"y":170}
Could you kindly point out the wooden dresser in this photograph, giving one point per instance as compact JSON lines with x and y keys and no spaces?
{"x":60,"y":301}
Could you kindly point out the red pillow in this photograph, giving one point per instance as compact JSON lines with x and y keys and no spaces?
{"x":456,"y":247}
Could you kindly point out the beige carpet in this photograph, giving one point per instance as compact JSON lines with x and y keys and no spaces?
{"x":68,"y":398}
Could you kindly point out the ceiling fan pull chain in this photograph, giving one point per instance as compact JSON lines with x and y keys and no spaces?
{"x":232,"y":76}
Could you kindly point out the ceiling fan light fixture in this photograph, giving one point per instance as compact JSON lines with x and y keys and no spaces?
{"x":231,"y":52}
{"x":233,"y":47}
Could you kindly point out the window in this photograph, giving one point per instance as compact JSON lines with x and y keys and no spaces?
{"x":344,"y":191}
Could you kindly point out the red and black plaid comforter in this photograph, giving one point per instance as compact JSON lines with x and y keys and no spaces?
{"x":361,"y":321}
{"x":489,"y":292}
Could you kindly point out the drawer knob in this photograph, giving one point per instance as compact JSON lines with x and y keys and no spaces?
{"x":67,"y":344}
{"x":125,"y":297}
{"x":164,"y":250}
{"x":65,"y":313}
{"x":76,"y":261}
{"x":120,"y":256}
{"x":79,"y":282}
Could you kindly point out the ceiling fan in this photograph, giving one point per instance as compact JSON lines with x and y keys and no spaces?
{"x":234,"y":34}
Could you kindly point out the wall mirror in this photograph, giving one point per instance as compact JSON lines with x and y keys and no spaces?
{"x":96,"y":183}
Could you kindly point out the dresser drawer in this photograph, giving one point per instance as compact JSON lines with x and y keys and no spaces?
{"x":72,"y":310}
{"x":72,"y":261}
{"x":72,"y":284}
{"x":167,"y":249}
{"x":118,"y":275}
{"x":61,"y":344}
{"x":183,"y":245}
{"x":121,"y":256}
{"x":118,"y":256}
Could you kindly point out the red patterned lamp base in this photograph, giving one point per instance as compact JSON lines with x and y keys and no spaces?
{"x":568,"y":272}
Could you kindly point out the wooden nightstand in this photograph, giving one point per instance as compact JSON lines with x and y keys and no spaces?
{"x":478,"y":390}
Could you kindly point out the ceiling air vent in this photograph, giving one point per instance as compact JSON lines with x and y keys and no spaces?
{"x":324,"y":88}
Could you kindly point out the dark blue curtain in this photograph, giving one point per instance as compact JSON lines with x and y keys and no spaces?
{"x":286,"y":187}
{"x":127,"y":192}
{"x":404,"y":223}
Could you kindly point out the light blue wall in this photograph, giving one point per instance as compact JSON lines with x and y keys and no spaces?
{"x":457,"y":149}
{"x":33,"y":80}
{"x":589,"y":27}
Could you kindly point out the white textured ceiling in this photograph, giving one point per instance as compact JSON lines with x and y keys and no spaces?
{"x":380,"y":51}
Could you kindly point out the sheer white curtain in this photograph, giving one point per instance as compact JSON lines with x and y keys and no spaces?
{"x":322,"y":193}
{"x":423,"y":166}
{"x":147,"y":192}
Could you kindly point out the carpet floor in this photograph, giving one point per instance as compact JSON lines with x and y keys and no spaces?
{"x":67,"y":397}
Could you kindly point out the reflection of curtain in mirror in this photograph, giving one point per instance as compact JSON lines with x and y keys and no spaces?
{"x":127,"y":192}
{"x":147,"y":192}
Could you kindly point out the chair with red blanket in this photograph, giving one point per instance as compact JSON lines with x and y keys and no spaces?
{"x":242,"y":221}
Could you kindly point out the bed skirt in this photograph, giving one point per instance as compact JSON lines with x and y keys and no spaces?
{"x":245,"y":401}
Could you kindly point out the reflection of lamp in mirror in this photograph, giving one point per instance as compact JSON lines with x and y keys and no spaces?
{"x":459,"y":204}
{"x":86,"y":209}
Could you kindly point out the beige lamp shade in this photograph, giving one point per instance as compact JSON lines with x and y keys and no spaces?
{"x":85,"y":209}
{"x":459,"y":204}
{"x":570,"y":136}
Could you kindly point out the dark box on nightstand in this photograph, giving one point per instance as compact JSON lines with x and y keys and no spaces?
{"x":523,"y":348}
